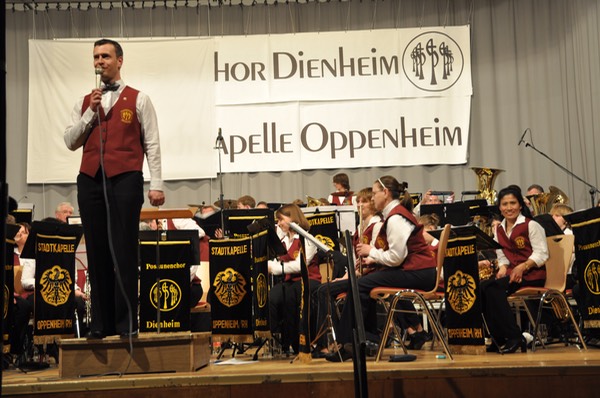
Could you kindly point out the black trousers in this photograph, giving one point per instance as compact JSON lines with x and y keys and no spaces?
{"x":390,"y":277}
{"x":498,"y":315}
{"x":325,"y":296}
{"x":284,"y":311}
{"x":125,"y":193}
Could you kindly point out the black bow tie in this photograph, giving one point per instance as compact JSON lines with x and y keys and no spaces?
{"x":110,"y":87}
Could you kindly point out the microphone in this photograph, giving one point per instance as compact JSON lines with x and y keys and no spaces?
{"x":98,"y":72}
{"x":442,"y":193}
{"x":219,"y":140}
{"x":522,"y":140}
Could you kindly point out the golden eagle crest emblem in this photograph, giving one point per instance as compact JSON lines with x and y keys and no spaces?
{"x":229,"y":287}
{"x":460,"y":292}
{"x":56,"y":285}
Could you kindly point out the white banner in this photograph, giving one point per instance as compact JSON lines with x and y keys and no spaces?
{"x":283,"y":102}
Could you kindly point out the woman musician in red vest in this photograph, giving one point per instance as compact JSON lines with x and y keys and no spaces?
{"x":342,"y":195}
{"x":404,"y":259}
{"x":284,"y":297}
{"x":520,"y":263}
{"x":367,"y":231}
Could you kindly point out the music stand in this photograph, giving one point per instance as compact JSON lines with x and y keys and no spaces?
{"x":456,"y":213}
{"x":158,"y":214}
{"x":49,"y":228}
{"x":236,"y":221}
{"x":549,"y":224}
{"x":482,"y":240}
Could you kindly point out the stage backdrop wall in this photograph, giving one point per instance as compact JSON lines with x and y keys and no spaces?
{"x":533,"y":65}
{"x":390,"y":97}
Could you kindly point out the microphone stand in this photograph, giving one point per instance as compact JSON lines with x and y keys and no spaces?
{"x":593,"y":189}
{"x":219,"y":147}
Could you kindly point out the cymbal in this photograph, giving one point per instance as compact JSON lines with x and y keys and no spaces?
{"x":227,"y":204}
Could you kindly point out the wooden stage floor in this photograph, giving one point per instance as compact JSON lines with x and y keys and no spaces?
{"x":554,"y":371}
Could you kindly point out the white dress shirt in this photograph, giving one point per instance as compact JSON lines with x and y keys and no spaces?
{"x":81,"y":124}
{"x":397,"y":231}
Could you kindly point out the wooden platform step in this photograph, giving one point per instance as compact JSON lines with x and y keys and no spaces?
{"x":152,"y":353}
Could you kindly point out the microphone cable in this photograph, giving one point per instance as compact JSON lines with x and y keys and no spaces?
{"x":111,"y":245}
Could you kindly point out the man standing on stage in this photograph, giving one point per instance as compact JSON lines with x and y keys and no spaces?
{"x":116,"y":125}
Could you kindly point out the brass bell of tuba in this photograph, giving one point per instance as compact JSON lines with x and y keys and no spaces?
{"x":541,"y":203}
{"x":485,"y":183}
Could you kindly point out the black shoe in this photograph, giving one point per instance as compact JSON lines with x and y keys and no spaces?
{"x":513,"y":345}
{"x":95,"y":334}
{"x":492,"y":348}
{"x":318,"y":354}
{"x":342,"y":355}
{"x":371,"y":348}
{"x":417,"y":340}
{"x":126,"y":334}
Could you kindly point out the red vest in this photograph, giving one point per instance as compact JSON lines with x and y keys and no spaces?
{"x":517,"y":250}
{"x":342,"y":198}
{"x":419,"y":254}
{"x":122,"y":137}
{"x":292,"y":253}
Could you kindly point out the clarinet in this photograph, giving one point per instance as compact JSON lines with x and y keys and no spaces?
{"x":88,"y":303}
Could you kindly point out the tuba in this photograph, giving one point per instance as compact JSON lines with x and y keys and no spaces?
{"x":541,"y":203}
{"x":485,"y":183}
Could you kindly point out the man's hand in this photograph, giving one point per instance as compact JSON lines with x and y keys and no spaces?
{"x":157,"y":198}
{"x":95,"y":99}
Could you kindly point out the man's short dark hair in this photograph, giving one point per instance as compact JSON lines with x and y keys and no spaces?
{"x":116,"y":45}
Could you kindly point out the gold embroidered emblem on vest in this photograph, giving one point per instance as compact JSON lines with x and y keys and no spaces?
{"x":229,"y":287}
{"x":126,"y":116}
{"x":167,"y":295}
{"x":461,"y":292}
{"x":56,"y":286}
{"x":520,"y":242}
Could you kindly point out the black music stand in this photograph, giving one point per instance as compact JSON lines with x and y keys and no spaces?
{"x":210,"y":223}
{"x":359,"y":356}
{"x":158,"y":214}
{"x":236,"y":221}
{"x":456,"y":213}
{"x":49,"y":228}
{"x":483,"y":241}
{"x":550,"y":226}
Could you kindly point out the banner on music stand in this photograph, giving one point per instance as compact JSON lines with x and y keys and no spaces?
{"x":586,"y":228}
{"x":166,"y":286}
{"x":324,"y":227}
{"x":54,"y":307}
{"x":260,"y":285}
{"x":463,"y":302}
{"x":230,"y":293}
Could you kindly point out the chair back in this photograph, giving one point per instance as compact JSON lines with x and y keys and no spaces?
{"x":441,"y":254}
{"x":560,"y":250}
{"x":18,"y":271}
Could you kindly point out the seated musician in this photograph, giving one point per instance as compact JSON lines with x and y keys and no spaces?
{"x":196,"y":290}
{"x":23,"y":309}
{"x":405,"y":260}
{"x":521,"y":263}
{"x":367,"y":232}
{"x":285,"y":296}
{"x":342,"y":195}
